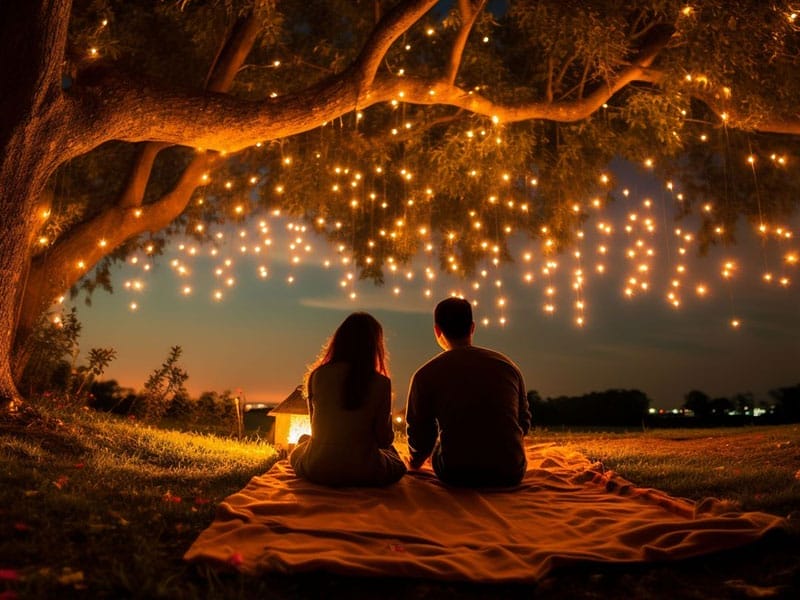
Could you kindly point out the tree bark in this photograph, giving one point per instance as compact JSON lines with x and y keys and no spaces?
{"x":31,"y":131}
{"x":82,"y":247}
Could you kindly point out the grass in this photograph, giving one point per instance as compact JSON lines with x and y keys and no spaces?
{"x":98,"y":507}
{"x":757,"y":468}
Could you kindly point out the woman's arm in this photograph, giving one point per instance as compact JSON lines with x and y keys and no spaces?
{"x":309,"y":394}
{"x":384,"y":432}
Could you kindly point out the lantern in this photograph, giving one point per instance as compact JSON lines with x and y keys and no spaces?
{"x":291,"y":419}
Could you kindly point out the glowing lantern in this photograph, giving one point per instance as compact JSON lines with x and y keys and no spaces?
{"x":291,"y":419}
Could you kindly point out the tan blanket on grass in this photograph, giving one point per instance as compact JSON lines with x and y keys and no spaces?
{"x":566,"y":510}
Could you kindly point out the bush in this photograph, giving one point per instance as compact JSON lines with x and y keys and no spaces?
{"x":108,"y":396}
{"x":162,"y":387}
{"x":182,"y":407}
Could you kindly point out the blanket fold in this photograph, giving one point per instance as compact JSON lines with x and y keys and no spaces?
{"x":566,"y":510}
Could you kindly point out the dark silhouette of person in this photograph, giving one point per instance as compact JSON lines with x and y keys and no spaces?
{"x":467,"y":407}
{"x":350,"y":404}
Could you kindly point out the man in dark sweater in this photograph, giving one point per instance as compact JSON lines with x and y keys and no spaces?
{"x":467,"y":407}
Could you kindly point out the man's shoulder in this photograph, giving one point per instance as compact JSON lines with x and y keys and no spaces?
{"x":493,"y":354}
{"x":464,"y":356}
{"x":430,"y":364}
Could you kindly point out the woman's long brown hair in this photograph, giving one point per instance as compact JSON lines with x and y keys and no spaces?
{"x":358,"y":341}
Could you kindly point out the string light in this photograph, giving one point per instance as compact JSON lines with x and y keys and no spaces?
{"x":495,"y":229}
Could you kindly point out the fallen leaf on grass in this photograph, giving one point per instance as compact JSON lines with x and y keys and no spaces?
{"x":797,"y":475}
{"x":120,"y":519}
{"x":9,"y":575}
{"x":754,"y":591}
{"x":79,"y":465}
{"x":200,"y":500}
{"x":22,"y":527}
{"x":235,"y":559}
{"x":70,"y":577}
{"x":169,"y":497}
{"x":29,"y":493}
{"x":61,"y":482}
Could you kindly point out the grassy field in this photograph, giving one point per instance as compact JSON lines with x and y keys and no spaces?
{"x":98,"y":507}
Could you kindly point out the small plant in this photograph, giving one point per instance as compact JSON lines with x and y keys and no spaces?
{"x":98,"y":360}
{"x":163,"y":386}
{"x":47,"y":368}
{"x":51,"y":361}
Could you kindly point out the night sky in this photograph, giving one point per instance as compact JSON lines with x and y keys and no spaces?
{"x":264,"y":332}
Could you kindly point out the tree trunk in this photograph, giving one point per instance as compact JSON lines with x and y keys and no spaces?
{"x":34,"y":33}
{"x":78,"y":250}
{"x":22,"y":184}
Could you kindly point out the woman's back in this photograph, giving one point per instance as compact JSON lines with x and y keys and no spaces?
{"x":334,"y":424}
{"x":348,"y":446}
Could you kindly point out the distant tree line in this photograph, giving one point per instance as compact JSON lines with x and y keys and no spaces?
{"x":783,"y":407}
{"x":614,"y":408}
{"x":632,"y":408}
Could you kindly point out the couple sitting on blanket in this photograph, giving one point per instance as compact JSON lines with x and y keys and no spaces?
{"x":467,"y":409}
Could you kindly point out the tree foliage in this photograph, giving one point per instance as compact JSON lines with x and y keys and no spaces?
{"x":559,"y":52}
{"x":371,"y":121}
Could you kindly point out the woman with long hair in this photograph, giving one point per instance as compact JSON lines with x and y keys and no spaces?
{"x":350,"y":404}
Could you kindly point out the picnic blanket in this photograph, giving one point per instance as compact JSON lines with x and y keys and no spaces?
{"x":566,"y":510}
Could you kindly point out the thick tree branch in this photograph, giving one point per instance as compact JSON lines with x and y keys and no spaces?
{"x":133,"y":194}
{"x":584,"y":77}
{"x":86,"y":244}
{"x":568,"y":111}
{"x":109,"y":105}
{"x":225,"y":123}
{"x":229,"y":59}
{"x":391,"y":26}
{"x":726,"y":111}
{"x":469,"y":15}
{"x":732,"y":116}
{"x":563,"y":71}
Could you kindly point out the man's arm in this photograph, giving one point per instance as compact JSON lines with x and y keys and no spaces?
{"x":421,"y":427}
{"x":525,"y":417}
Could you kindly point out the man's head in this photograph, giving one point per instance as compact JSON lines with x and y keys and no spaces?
{"x":452,"y":319}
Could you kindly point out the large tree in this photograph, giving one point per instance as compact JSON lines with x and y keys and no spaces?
{"x":115,"y":115}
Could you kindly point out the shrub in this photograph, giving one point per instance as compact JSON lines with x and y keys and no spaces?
{"x":164,"y":384}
